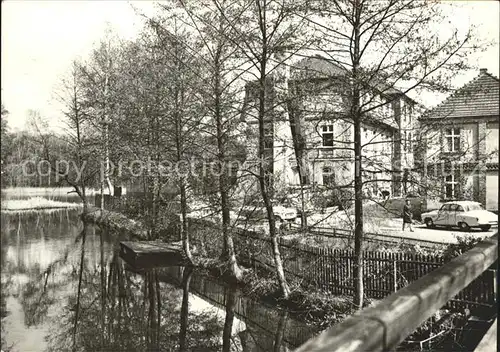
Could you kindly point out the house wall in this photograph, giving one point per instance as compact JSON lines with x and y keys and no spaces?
{"x":342,"y":171}
{"x":478,"y":148}
{"x":282,"y":153}
{"x":378,"y":151}
{"x":473,"y":109}
{"x":469,"y":141}
{"x":470,"y":183}
{"x":492,"y":141}
{"x":492,"y":191}
{"x":325,"y":106}
{"x":432,"y":141}
{"x":408,"y":123}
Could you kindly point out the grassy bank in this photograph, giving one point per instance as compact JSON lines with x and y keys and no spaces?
{"x":116,"y":222}
{"x":316,"y":308}
{"x":312,"y":306}
{"x":35,"y":204}
{"x":308,"y":304}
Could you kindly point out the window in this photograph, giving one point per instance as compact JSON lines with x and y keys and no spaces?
{"x":451,"y":186}
{"x":475,"y":206}
{"x":409,"y":142}
{"x":327,"y":135}
{"x":328,"y":176}
{"x":460,"y":208}
{"x":445,"y":207}
{"x":452,"y":139}
{"x":491,"y":141}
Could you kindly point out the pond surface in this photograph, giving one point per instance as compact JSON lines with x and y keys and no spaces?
{"x":65,"y":288}
{"x":62,"y":194}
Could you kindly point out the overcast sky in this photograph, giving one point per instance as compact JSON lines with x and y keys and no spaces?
{"x":41,"y":38}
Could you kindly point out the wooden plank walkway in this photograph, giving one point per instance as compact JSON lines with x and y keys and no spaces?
{"x":142,"y":247}
{"x":489,"y":341}
{"x":146,"y":254}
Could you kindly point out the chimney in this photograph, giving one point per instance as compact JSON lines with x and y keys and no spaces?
{"x":483,"y":71}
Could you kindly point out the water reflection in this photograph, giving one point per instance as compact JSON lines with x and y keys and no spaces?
{"x":66,"y":287}
{"x":61,"y":194}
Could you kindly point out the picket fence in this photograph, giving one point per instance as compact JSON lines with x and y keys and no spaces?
{"x":332,"y":270}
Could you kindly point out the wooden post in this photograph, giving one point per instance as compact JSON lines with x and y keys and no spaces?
{"x":395,"y":274}
{"x":494,"y":286}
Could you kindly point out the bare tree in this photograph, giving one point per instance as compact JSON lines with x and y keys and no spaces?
{"x":222,"y":71}
{"x":264,"y":27}
{"x":79,"y":132}
{"x":99,"y":86}
{"x":76,"y":165}
{"x":385,"y":44}
{"x":142,"y":103}
{"x":5,"y":139}
{"x":182,"y":105}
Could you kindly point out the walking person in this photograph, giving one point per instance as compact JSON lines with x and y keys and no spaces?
{"x":407,"y":215}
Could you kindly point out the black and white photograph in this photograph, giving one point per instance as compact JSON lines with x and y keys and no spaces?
{"x":249,"y":175}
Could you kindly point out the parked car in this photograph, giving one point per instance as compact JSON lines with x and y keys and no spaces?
{"x":256,"y":210}
{"x":464,"y":214}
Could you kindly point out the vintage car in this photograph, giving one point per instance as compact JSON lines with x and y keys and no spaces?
{"x":464,"y":214}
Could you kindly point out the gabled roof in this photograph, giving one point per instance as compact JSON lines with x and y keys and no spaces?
{"x":320,"y":67}
{"x":317,"y":67}
{"x":477,"y":98}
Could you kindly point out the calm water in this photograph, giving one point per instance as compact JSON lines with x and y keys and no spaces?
{"x":65,"y":288}
{"x":62,"y":194}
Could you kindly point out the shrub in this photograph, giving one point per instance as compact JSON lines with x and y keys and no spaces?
{"x":464,"y":243}
{"x":341,"y":198}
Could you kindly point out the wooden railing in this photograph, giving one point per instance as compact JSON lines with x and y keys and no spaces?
{"x":384,"y":326}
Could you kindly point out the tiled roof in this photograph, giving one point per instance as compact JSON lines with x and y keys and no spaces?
{"x":477,"y":98}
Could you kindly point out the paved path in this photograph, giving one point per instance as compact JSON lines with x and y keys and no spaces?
{"x":421,"y":232}
{"x":441,"y":235}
